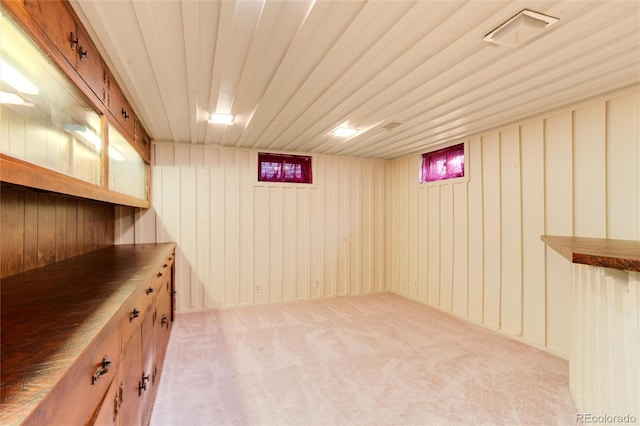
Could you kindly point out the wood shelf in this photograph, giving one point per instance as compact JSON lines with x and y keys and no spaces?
{"x":607,"y":253}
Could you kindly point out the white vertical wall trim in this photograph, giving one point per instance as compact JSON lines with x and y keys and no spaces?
{"x":242,"y":242}
{"x":548,"y":175}
{"x":589,"y":124}
{"x":460,"y":249}
{"x":558,"y":151}
{"x":423,"y":246}
{"x":476,"y":232}
{"x":533,"y":250}
{"x":433,"y":245}
{"x":492,"y":228}
{"x":511,"y":232}
{"x":623,"y":173}
{"x":446,"y":247}
{"x":365,"y":225}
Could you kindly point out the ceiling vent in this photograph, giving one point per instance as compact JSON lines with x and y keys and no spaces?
{"x":524,"y":26}
{"x":392,"y":125}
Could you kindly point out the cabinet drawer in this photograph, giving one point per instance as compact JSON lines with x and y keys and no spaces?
{"x":134,"y":311}
{"x":74,"y":398}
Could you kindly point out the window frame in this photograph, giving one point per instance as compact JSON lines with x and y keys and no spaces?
{"x":448,"y":181}
{"x":264,"y":183}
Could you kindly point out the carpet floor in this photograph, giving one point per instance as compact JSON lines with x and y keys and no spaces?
{"x":364,"y":360}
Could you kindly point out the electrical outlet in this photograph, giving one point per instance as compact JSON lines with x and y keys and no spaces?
{"x":257,"y":289}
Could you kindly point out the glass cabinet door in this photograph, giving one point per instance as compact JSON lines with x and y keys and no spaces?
{"x":128,"y":173}
{"x":44,"y":118}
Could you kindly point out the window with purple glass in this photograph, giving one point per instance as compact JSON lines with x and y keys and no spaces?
{"x":284,"y":168}
{"x":445,"y":163}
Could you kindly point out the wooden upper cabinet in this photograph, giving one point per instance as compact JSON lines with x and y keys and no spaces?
{"x":142,"y":140}
{"x":89,"y":63}
{"x":57,"y":39}
{"x":121,"y":110}
{"x":61,"y":30}
{"x":59,"y":24}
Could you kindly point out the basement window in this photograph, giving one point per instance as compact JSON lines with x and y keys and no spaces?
{"x":284,"y":168}
{"x":442,"y":164}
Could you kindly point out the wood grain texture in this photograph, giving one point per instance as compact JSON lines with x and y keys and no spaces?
{"x":20,"y":172}
{"x":608,"y":253}
{"x":41,"y":228}
{"x":12,"y":232}
{"x":50,"y":315}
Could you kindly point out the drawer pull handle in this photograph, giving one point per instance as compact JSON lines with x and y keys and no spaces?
{"x":106,"y":363}
{"x":74,"y":41}
{"x":134,"y":314}
{"x":83,"y":54}
{"x":150,"y":290}
{"x":159,"y":274}
{"x":142,"y":385}
{"x":165,"y":265}
{"x":125,"y":114}
{"x":165,"y":321}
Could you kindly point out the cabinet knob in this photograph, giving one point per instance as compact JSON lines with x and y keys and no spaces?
{"x":103,"y":369}
{"x":125,"y":114}
{"x":83,"y":53}
{"x":165,"y":321}
{"x":159,"y":274}
{"x":134,"y":314}
{"x":150,"y":290}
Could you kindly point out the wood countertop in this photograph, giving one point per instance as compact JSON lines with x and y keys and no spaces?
{"x":607,"y":253}
{"x":50,"y":315}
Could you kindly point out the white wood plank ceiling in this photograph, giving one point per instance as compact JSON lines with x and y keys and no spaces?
{"x":292,"y":71}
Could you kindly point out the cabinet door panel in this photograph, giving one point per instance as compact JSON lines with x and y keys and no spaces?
{"x":163,"y":323}
{"x":142,"y":140}
{"x":108,"y":413}
{"x":89,"y":63}
{"x":61,"y":30}
{"x":148,"y":357}
{"x":131,"y":408}
{"x":121,"y":110}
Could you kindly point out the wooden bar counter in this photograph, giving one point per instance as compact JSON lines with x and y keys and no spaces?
{"x":607,"y":253}
{"x":604,"y":352}
{"x":75,"y":337}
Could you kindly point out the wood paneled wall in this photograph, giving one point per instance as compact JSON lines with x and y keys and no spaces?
{"x":243,"y":242}
{"x":473,"y":248}
{"x":40,"y":228}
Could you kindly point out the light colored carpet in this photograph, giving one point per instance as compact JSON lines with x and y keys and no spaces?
{"x":378,"y":359}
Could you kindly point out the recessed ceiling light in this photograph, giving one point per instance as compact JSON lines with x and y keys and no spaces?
{"x":344,"y":132}
{"x":524,"y":26}
{"x":219,"y":118}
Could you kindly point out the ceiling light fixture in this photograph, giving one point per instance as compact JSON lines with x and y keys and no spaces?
{"x":219,"y":118}
{"x":524,"y":26}
{"x":344,"y":132}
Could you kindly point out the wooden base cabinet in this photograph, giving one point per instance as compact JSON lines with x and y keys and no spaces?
{"x":84,"y":340}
